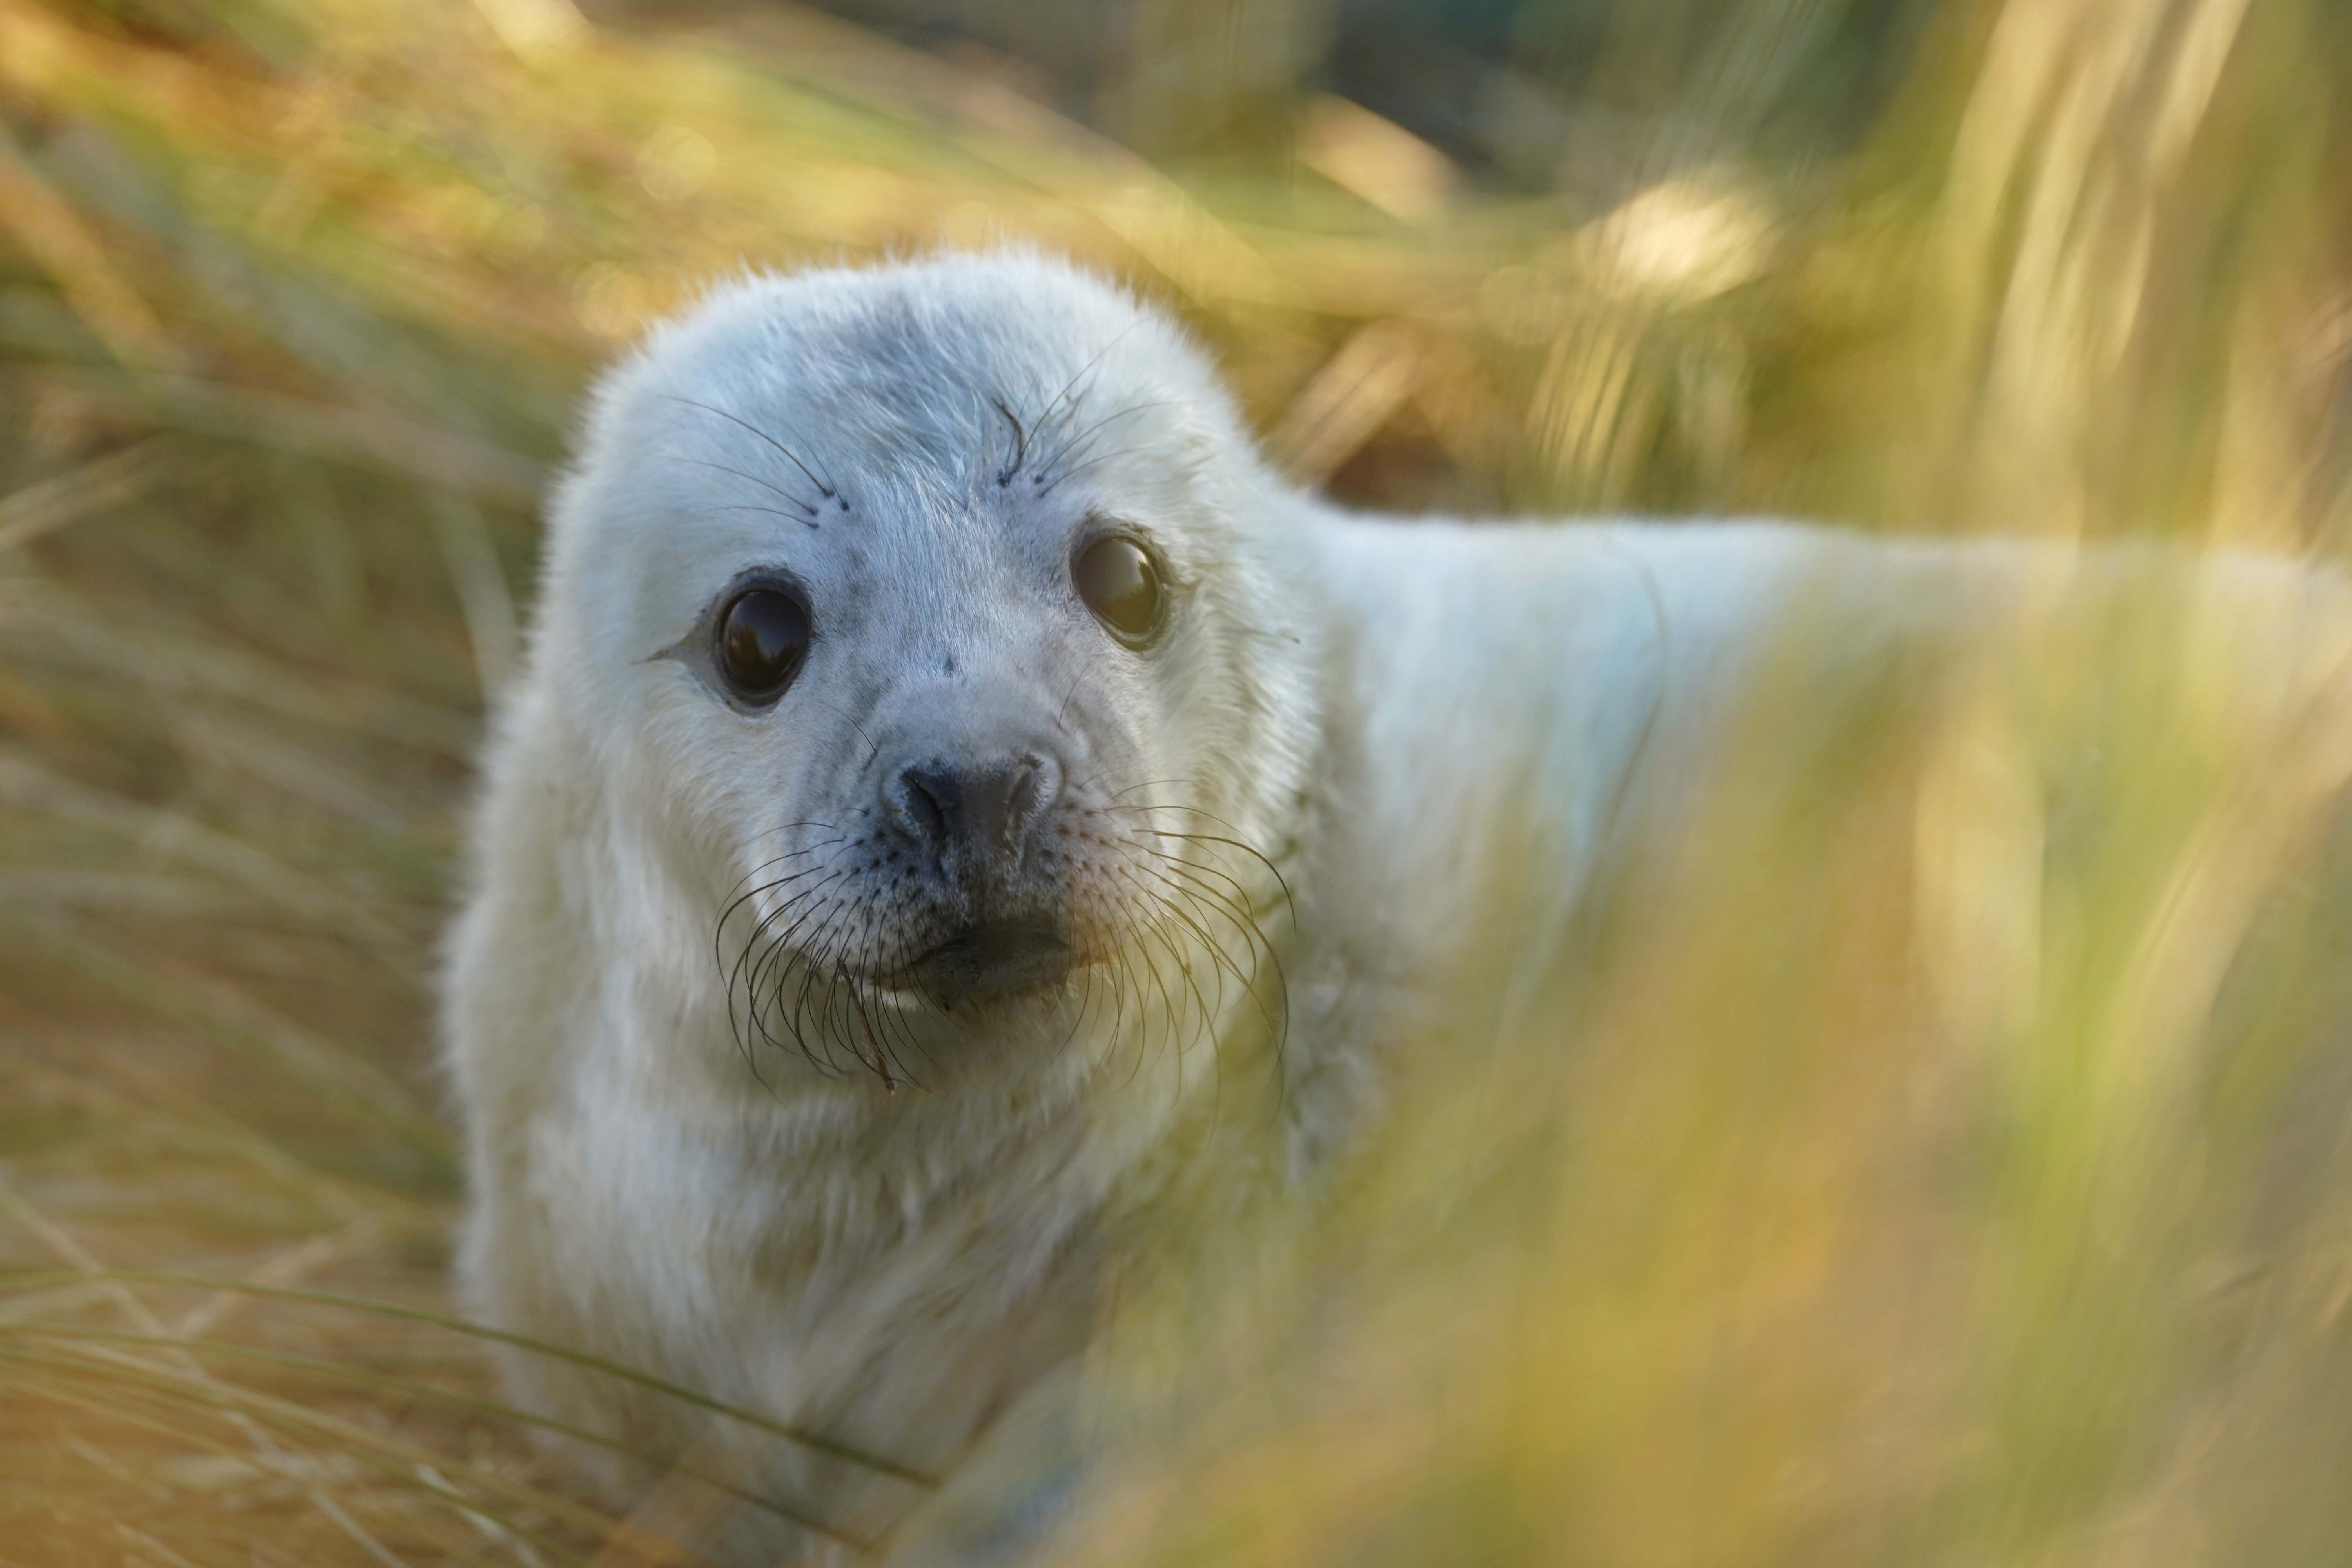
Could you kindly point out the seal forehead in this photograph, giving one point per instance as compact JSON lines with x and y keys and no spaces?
{"x":930,"y":366}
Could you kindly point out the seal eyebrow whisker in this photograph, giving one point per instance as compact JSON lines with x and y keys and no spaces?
{"x":766,"y":485}
{"x":1071,"y":448}
{"x":824,"y":489}
{"x":1020,"y":443}
{"x":808,"y":521}
{"x":1070,"y":386}
{"x":1093,"y":462}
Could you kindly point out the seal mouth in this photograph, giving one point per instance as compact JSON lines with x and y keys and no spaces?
{"x":985,"y":962}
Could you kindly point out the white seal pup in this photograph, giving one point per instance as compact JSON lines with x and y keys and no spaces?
{"x":947,"y":757}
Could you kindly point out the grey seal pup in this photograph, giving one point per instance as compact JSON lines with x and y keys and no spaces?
{"x":948,"y":758}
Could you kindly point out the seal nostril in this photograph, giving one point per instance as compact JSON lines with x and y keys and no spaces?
{"x":986,"y":810}
{"x":928,"y":799}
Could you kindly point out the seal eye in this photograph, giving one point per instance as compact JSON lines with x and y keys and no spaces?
{"x":1121,"y":585}
{"x":762,"y":639}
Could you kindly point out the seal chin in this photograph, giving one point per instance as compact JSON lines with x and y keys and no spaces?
{"x":988,"y":962}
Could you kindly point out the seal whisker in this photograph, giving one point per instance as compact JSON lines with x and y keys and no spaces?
{"x":1146,"y":783}
{"x":1116,"y":920}
{"x":762,"y":965}
{"x":719,"y":932}
{"x":822,"y":968}
{"x":841,"y":985}
{"x":1244,"y":919}
{"x":1229,"y":842}
{"x":738,"y":894}
{"x":1247,"y":849}
{"x":795,"y":1016}
{"x":1276,"y":1018}
{"x":768,"y":485}
{"x":824,"y":489}
{"x":881,"y":1058}
{"x":1145,"y":932}
{"x":1156,"y":929}
{"x":808,"y":521}
{"x":1072,"y":446}
{"x":767,"y":979}
{"x":1084,"y":980}
{"x":1222,"y":960}
{"x":1047,"y":413}
{"x":823,"y":974}
{"x":751,"y":944}
{"x":1123,"y":981}
{"x":763,"y":889}
{"x":871,"y":935}
{"x":1020,"y":443}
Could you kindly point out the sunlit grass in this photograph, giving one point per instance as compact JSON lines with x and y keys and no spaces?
{"x":1932,"y":1152}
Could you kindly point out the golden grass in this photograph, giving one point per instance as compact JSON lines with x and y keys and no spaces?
{"x":1949,"y":1166}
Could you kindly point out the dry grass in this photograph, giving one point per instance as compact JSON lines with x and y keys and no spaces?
{"x":1987,"y":1207}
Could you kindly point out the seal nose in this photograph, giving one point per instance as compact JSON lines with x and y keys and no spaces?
{"x":983,"y":811}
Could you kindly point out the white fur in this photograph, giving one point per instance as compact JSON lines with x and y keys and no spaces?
{"x":1349,"y":696}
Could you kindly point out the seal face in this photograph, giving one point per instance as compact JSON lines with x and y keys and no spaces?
{"x":925,"y":639}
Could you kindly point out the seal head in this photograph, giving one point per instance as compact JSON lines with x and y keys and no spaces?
{"x":908,"y":617}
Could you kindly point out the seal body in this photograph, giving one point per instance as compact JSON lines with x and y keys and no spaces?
{"x":806,"y":1040}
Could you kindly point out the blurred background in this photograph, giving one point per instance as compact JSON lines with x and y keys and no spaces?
{"x":1877,"y":1241}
